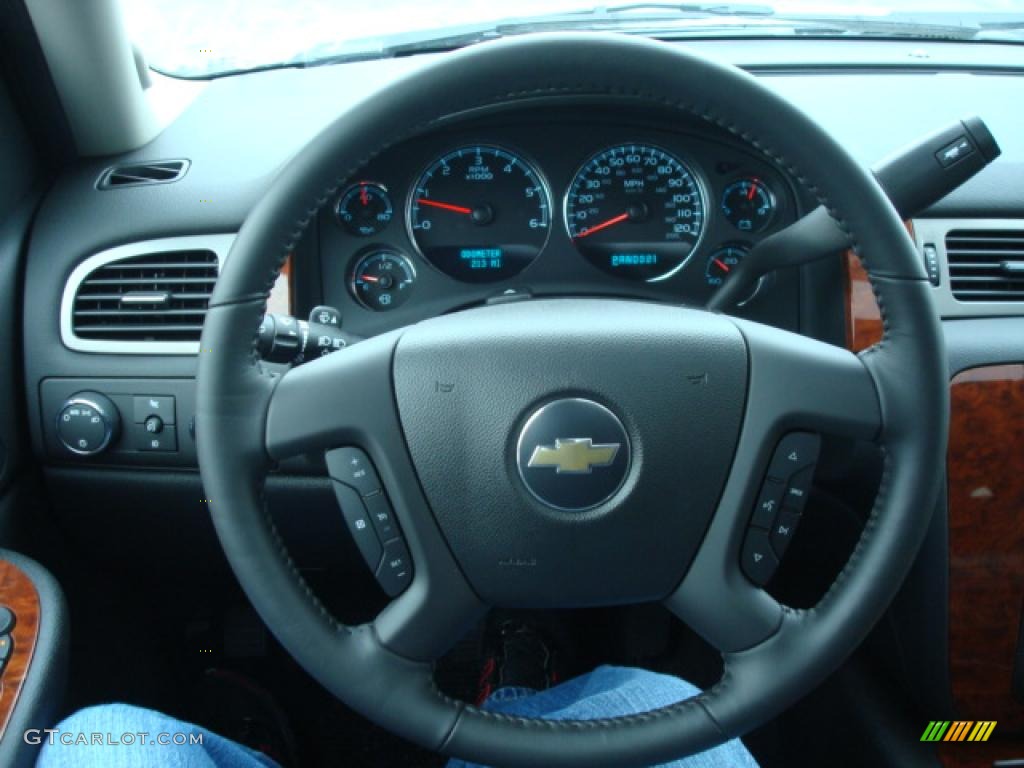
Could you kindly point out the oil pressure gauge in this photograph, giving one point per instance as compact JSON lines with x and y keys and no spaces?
{"x":382,"y":279}
{"x":721,"y":264}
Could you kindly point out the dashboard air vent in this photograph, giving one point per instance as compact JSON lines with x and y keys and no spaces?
{"x":149,"y":297}
{"x":137,"y":174}
{"x":986,"y":265}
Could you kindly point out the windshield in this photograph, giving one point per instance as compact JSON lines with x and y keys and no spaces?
{"x":205,"y":38}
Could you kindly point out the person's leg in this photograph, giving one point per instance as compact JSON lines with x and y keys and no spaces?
{"x":613,"y":692}
{"x":97,"y":737}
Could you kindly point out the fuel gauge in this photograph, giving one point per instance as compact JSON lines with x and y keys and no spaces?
{"x":748,"y":205}
{"x":382,"y":279}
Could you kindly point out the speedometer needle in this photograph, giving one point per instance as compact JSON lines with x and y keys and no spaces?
{"x":603,"y":225}
{"x":444,"y":206}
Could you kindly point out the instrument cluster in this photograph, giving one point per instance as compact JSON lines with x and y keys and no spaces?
{"x":552,"y":208}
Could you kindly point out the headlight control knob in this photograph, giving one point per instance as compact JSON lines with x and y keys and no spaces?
{"x":87,"y":423}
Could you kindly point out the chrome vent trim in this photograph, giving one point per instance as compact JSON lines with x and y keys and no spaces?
{"x":951,"y":298}
{"x":219,"y":245}
{"x":142,"y":174}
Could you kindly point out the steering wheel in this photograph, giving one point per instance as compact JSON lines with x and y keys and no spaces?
{"x":683,"y":406}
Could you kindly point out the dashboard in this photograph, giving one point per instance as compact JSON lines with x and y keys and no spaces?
{"x":550,"y":201}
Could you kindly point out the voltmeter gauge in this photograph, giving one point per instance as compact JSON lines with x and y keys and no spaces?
{"x":364,"y":209}
{"x":382,"y":280}
{"x":748,"y":205}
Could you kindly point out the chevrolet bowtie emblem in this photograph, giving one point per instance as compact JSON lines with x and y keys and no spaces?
{"x":575,"y":455}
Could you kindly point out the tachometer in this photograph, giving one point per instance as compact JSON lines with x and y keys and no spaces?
{"x":635,"y":210}
{"x":479,"y":214}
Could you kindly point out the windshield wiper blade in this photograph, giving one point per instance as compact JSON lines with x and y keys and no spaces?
{"x":709,"y":9}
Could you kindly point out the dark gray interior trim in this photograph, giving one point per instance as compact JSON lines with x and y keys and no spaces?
{"x":983,"y":341}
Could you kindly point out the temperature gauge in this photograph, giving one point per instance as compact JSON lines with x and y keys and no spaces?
{"x":364,"y":209}
{"x":721,"y":265}
{"x":748,"y":204}
{"x":382,"y":280}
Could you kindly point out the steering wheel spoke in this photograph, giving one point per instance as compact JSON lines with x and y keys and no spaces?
{"x":796,"y":384}
{"x":343,"y":405}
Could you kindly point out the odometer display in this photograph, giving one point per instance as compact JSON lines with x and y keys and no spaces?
{"x":635,"y":210}
{"x":479,"y":214}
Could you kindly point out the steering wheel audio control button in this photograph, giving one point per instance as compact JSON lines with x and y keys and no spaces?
{"x":783,"y":530}
{"x":768,"y":503}
{"x":395,"y":571}
{"x":795,"y":451}
{"x":358,"y":521}
{"x":799,"y":489}
{"x":353,"y":467}
{"x":758,"y":559}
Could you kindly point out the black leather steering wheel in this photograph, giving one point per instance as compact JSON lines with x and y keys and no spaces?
{"x":447,"y":456}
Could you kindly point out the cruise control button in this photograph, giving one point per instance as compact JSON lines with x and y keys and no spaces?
{"x":783,"y":530}
{"x":799,"y":489}
{"x":353,"y":467}
{"x":382,"y":516}
{"x":358,"y":521}
{"x":395,"y":572}
{"x":758,"y":560}
{"x":768,"y":503}
{"x":795,"y":451}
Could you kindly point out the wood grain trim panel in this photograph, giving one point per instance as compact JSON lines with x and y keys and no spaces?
{"x":19,"y":594}
{"x":986,"y":542}
{"x":863,"y":317}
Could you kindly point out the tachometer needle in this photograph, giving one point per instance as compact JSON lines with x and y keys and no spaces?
{"x":722,"y":264}
{"x":751,"y":192}
{"x":444,"y":206}
{"x":603,"y":225}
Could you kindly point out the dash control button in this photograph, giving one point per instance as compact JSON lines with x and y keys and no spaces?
{"x":757,"y":559}
{"x":6,"y":644}
{"x":144,"y":406}
{"x":353,"y":468}
{"x":795,"y":451}
{"x":395,"y":572}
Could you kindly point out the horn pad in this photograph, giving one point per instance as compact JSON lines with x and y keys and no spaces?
{"x":573,"y":451}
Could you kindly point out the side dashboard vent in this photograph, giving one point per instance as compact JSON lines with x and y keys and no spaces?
{"x":986,"y":265}
{"x":138,"y":174}
{"x":144,"y":298}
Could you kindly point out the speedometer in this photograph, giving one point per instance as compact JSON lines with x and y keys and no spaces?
{"x":479,"y":214}
{"x":635,"y":210}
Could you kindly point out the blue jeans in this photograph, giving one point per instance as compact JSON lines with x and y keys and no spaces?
{"x":605,"y":692}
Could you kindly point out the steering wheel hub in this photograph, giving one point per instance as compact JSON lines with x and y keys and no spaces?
{"x":573,"y":454}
